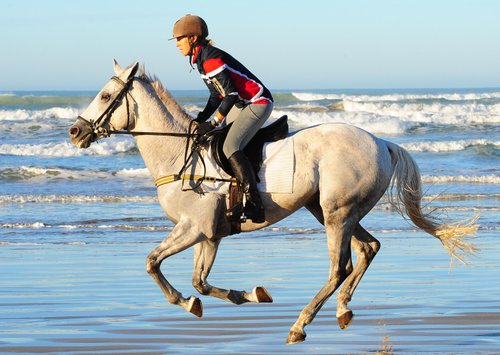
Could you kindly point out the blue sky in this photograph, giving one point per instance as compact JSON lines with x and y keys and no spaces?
{"x":61,"y":44}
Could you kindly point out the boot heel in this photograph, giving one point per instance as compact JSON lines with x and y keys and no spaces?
{"x":255,"y":213}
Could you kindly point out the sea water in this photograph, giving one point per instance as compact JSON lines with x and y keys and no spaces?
{"x":56,"y":199}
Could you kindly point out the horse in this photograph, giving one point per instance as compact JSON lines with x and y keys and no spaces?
{"x":340,"y":173}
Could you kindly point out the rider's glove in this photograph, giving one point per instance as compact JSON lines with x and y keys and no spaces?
{"x":205,"y":127}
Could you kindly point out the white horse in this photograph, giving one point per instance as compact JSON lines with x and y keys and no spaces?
{"x":340,"y":173}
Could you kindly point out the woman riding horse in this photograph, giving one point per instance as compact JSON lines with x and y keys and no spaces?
{"x":340,"y":172}
{"x":237,"y":95}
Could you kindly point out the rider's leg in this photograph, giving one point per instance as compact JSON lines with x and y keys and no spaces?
{"x":246,"y":122}
{"x":244,"y":173}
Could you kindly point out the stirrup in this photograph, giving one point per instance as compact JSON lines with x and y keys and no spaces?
{"x":235,"y":214}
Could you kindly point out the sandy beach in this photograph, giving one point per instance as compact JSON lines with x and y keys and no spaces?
{"x":96,"y":297}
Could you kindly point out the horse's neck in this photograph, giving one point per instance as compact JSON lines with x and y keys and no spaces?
{"x":162,"y":155}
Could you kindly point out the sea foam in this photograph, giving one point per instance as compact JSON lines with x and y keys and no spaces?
{"x":374,"y":124}
{"x":8,"y":199}
{"x":445,"y":179}
{"x":435,"y":113}
{"x":396,"y":97}
{"x":448,"y":146}
{"x":23,"y":114}
{"x":66,"y":149}
{"x":45,"y":174}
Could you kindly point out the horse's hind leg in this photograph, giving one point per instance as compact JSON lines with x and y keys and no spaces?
{"x":365,"y":246}
{"x":339,"y":231}
{"x":315,"y":208}
{"x":204,"y":257}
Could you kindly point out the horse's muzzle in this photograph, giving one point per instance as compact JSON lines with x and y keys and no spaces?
{"x":81,"y":134}
{"x":74,"y":131}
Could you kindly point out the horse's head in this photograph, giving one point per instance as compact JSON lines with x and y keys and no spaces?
{"x":111,"y":109}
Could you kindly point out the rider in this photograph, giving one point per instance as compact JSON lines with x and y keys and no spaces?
{"x":236,"y":95}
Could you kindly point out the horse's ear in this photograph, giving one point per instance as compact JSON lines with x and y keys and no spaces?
{"x":132,"y":70}
{"x":117,"y":68}
{"x":128,"y":73}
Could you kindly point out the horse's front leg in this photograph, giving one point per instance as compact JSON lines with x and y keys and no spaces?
{"x":204,"y":257}
{"x":182,"y":237}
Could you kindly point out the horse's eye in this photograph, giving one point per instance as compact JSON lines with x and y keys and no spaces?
{"x":105,"y":97}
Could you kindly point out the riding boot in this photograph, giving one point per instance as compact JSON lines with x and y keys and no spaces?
{"x":244,"y":173}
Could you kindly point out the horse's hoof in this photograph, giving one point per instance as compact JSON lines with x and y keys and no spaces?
{"x":195,"y":306}
{"x":262,"y":295}
{"x":295,"y":337}
{"x":345,"y":319}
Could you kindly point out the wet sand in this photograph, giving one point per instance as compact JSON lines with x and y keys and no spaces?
{"x":97,"y":298}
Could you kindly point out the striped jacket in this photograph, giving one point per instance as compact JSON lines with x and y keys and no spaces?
{"x":229,"y":82}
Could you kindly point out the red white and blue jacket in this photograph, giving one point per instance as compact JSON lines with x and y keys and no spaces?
{"x":229,"y":82}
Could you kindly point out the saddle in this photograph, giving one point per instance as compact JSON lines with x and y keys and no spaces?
{"x":253,"y":150}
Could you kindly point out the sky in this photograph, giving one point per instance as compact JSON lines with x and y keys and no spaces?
{"x":314,"y":44}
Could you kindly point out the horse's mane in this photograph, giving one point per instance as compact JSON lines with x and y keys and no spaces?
{"x":165,"y":96}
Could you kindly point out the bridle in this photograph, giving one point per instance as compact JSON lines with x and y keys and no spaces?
{"x":99,"y":131}
{"x":97,"y":126}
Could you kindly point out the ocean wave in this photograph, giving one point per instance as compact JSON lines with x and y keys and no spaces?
{"x":66,"y":149}
{"x":446,"y":179}
{"x":391,"y":121}
{"x":46,"y":174}
{"x":25,"y":115}
{"x":12,"y":99}
{"x":133,"y":173}
{"x":461,"y":197}
{"x":449,"y":146}
{"x":91,"y":199}
{"x":35,"y":225}
{"x":374,"y":124}
{"x":434,"y":113}
{"x":128,"y":227}
{"x":65,"y":199}
{"x":288,"y":232}
{"x":304,"y":96}
{"x":27,"y":128}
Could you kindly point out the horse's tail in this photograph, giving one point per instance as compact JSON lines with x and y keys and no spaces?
{"x":405,"y":194}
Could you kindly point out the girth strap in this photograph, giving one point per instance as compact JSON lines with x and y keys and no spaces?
{"x":176,"y":177}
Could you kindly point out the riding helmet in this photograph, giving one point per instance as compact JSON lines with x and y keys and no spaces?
{"x":190,"y":25}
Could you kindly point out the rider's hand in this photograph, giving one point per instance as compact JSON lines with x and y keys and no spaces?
{"x":205,"y":127}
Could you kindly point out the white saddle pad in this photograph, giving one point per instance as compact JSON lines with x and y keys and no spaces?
{"x":276,"y":173}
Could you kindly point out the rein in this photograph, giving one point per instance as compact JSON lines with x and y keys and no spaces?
{"x":169,"y":134}
{"x":98,"y":131}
